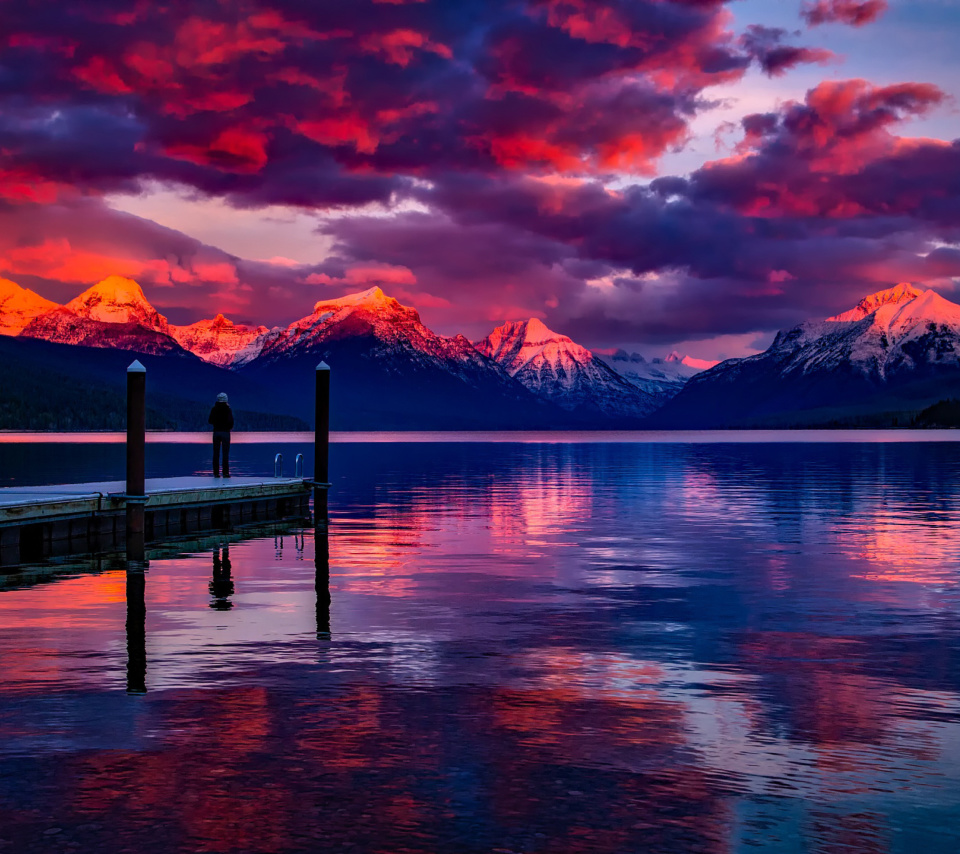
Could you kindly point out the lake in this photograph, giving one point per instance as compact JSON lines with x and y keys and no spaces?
{"x":551,"y":643}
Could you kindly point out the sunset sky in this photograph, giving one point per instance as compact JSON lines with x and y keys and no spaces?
{"x":652,"y":174}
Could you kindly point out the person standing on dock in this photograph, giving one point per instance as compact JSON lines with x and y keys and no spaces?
{"x":221,"y":419}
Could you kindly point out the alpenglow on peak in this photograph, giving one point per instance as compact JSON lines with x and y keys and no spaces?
{"x":902,"y":293}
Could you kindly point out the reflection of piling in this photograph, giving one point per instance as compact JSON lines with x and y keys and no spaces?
{"x":136,"y":459}
{"x":221,"y":585}
{"x":321,"y":442}
{"x":136,"y":632}
{"x":322,"y":562}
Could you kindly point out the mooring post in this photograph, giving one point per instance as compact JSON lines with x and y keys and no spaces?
{"x":321,"y":443}
{"x":136,"y":459}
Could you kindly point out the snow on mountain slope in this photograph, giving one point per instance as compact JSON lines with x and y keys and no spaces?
{"x":898,"y":295}
{"x":889,"y":332}
{"x":385,"y":331}
{"x":392,"y":372}
{"x":19,"y":306}
{"x":392,"y":328}
{"x":222,"y":342}
{"x":662,"y":378}
{"x":897,"y":345}
{"x":113,"y":313}
{"x":560,"y":370}
{"x":118,"y":300}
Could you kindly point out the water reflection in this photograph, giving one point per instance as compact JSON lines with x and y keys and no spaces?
{"x":136,"y":631}
{"x":221,"y":585}
{"x":321,"y":560}
{"x":515,"y":648}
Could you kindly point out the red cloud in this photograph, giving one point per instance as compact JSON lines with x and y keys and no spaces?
{"x":200,"y":42}
{"x":348,"y":129}
{"x":100,"y":74}
{"x":805,"y":161}
{"x":591,"y":22}
{"x":334,"y":105}
{"x":398,"y":46}
{"x":232,"y":150}
{"x":371,"y":274}
{"x":24,"y":185}
{"x":58,"y":259}
{"x":853,"y":12}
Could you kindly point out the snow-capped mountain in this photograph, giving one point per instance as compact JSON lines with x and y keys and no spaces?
{"x":19,"y":306}
{"x":663,"y":378}
{"x":556,"y":368}
{"x":118,"y":300}
{"x":113,"y":313}
{"x":895,"y":351}
{"x":222,"y":342}
{"x":902,"y":329}
{"x":394,"y":372}
{"x":372,"y":314}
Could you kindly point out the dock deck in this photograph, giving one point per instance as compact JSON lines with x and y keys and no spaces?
{"x":40,"y":521}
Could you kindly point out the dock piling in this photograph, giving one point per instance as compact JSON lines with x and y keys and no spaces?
{"x":321,"y":441}
{"x":136,"y":459}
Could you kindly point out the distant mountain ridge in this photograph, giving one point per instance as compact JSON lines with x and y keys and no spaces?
{"x":556,"y":368}
{"x":395,"y":372}
{"x":661,"y":378}
{"x":897,"y":351}
{"x":221,"y":341}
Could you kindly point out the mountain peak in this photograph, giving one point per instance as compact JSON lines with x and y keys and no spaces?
{"x":372,"y":297}
{"x":117,"y":288}
{"x":117,"y":299}
{"x":18,"y":306}
{"x":902,"y":293}
{"x":536,"y":330}
{"x":557,"y":368}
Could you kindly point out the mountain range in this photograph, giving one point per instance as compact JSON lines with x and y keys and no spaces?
{"x":893,"y":354}
{"x":392,"y":371}
{"x":878,"y":364}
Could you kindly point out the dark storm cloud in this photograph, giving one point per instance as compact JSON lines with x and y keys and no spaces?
{"x":835,"y":156}
{"x":821,"y":204}
{"x":326,"y":104}
{"x":499,"y":118}
{"x":775,"y":58}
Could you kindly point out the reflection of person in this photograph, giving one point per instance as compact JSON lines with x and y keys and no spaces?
{"x":221,"y":585}
{"x":221,"y":419}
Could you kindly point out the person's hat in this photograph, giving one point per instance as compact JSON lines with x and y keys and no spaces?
{"x":222,"y":397}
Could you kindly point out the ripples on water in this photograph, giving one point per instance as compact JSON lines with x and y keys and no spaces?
{"x":529,"y":648}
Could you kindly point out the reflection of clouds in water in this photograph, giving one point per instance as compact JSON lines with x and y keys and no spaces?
{"x":672,"y":640}
{"x":897,"y":549}
{"x":40,"y":644}
{"x":847,"y":739}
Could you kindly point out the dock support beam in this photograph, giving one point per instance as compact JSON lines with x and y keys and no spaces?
{"x":321,"y":442}
{"x":9,"y":546}
{"x":136,"y":459}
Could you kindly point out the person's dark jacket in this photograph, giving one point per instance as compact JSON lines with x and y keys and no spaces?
{"x":221,"y":417}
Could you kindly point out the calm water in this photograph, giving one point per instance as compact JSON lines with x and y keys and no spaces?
{"x":566,"y":647}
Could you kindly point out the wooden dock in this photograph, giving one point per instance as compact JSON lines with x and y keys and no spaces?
{"x":37,"y":522}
